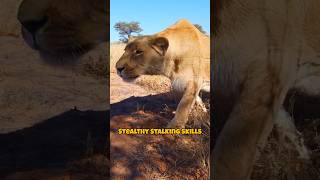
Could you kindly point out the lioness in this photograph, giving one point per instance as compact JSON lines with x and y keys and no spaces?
{"x":180,"y":52}
{"x":262,"y":49}
{"x":64,"y":30}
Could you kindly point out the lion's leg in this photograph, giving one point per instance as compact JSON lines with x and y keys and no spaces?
{"x":236,"y":148}
{"x":286,"y":128}
{"x":205,"y":87}
{"x":246,"y":131}
{"x":181,"y":117}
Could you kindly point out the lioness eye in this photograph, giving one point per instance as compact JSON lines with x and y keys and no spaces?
{"x":138,"y":52}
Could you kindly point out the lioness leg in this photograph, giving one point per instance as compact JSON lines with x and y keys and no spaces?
{"x":181,"y":117}
{"x":204,"y":88}
{"x":246,"y":129}
{"x":286,"y":128}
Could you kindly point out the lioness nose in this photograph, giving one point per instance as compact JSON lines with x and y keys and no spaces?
{"x":34,"y":26}
{"x":120,"y":69}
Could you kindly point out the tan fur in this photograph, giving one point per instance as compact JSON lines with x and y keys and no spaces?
{"x":180,"y":52}
{"x":64,"y":28}
{"x":262,"y":48}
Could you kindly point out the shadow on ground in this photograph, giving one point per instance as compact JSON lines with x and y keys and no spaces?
{"x":153,"y":103}
{"x":302,"y":106}
{"x":154,"y":156}
{"x":56,"y":143}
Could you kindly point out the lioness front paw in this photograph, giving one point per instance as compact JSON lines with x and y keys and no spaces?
{"x":175,"y":124}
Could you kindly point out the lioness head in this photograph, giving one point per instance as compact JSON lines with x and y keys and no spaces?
{"x":63,"y":29}
{"x":145,"y":55}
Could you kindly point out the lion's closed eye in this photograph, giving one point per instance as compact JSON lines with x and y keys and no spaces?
{"x":138,"y":52}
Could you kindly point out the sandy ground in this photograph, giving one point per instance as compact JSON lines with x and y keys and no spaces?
{"x":120,"y":90}
{"x":53,"y":119}
{"x":31,"y":91}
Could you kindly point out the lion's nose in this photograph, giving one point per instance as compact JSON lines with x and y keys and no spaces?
{"x":33,"y":26}
{"x":120,"y":69}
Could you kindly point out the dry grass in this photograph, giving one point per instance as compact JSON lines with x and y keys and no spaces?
{"x":95,"y":63}
{"x":154,"y":83}
{"x":96,"y":67}
{"x":281,"y":162}
{"x":279,"y":159}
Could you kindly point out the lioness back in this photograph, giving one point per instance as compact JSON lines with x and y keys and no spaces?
{"x":187,"y":42}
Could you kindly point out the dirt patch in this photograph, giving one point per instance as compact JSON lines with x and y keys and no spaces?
{"x":155,"y":156}
{"x":53,"y":118}
{"x":31,"y":91}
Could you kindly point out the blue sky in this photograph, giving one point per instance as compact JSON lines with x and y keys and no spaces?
{"x":155,"y":16}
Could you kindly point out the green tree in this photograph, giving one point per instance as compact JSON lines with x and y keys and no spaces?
{"x":125,"y":29}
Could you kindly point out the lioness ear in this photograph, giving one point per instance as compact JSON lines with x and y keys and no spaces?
{"x":160,"y":44}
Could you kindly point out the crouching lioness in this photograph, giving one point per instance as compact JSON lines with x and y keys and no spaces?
{"x":180,"y":52}
{"x":262,"y":50}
